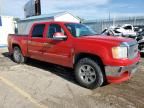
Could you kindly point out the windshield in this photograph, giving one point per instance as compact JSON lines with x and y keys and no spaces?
{"x":78,"y":30}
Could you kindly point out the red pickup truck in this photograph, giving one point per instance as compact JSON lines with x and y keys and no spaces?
{"x":94,"y":58}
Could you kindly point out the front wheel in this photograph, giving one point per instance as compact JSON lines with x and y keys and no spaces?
{"x":18,"y":56}
{"x":88,"y":73}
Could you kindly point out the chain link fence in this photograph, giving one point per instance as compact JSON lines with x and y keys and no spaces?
{"x":100,"y":25}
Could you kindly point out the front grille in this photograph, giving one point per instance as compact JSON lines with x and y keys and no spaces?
{"x":133,"y":51}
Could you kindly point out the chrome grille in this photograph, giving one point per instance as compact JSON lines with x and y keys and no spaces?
{"x":133,"y":51}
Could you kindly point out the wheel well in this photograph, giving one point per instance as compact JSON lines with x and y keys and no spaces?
{"x":15,"y":45}
{"x":91,"y":56}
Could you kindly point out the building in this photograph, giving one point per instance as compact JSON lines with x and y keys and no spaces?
{"x":7,"y":26}
{"x":32,"y":8}
{"x":24,"y":25}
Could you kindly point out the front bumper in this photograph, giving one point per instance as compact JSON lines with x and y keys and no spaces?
{"x":117,"y":74}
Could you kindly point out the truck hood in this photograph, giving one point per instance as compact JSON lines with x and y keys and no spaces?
{"x":107,"y":39}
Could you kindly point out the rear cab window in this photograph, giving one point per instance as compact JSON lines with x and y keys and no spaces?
{"x":38,"y":31}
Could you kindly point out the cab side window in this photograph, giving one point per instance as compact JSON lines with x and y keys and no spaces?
{"x":53,"y":28}
{"x":38,"y":31}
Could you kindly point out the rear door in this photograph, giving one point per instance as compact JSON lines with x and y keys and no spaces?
{"x":36,"y":42}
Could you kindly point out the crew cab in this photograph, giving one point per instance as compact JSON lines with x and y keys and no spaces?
{"x":94,"y":58}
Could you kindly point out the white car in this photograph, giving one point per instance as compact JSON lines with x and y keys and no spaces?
{"x":126,"y":30}
{"x":111,"y":32}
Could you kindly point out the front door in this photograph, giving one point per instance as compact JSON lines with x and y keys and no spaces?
{"x":58,"y":51}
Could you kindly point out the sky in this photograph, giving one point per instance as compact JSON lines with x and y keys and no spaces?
{"x":86,"y":9}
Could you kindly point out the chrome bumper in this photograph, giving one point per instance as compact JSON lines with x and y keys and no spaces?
{"x":118,"y":70}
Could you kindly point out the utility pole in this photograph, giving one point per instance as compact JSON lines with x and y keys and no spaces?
{"x":134,"y":21}
{"x":37,"y":7}
{"x":109,"y":18}
{"x":114,"y":21}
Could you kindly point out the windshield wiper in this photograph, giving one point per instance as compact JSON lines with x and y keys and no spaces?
{"x":94,"y":34}
{"x":84,"y":35}
{"x":88,"y":35}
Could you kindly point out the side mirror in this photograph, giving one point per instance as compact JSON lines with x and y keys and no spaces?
{"x":59,"y":36}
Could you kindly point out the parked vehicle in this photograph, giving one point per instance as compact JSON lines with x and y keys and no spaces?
{"x":139,"y":37}
{"x":94,"y":58}
{"x":111,"y":32}
{"x":126,"y":30}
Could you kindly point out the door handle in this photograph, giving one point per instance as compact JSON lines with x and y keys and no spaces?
{"x":48,"y":45}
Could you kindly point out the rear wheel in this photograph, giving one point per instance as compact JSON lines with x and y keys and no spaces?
{"x":88,"y":73}
{"x":17,"y":55}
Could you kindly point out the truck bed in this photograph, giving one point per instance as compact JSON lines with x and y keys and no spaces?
{"x":17,"y":39}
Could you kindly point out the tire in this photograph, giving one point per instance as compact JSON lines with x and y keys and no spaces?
{"x":88,"y":73}
{"x":18,"y":56}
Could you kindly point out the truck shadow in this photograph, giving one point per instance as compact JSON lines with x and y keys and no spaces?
{"x":65,"y":73}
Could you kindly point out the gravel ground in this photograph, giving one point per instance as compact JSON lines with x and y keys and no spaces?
{"x":41,"y":85}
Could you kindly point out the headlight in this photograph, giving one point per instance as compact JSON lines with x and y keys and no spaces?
{"x":120,"y":52}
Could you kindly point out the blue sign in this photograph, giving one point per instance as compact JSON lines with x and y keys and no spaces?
{"x":0,"y":21}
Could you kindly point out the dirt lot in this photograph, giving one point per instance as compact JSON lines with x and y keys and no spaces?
{"x":41,"y":85}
